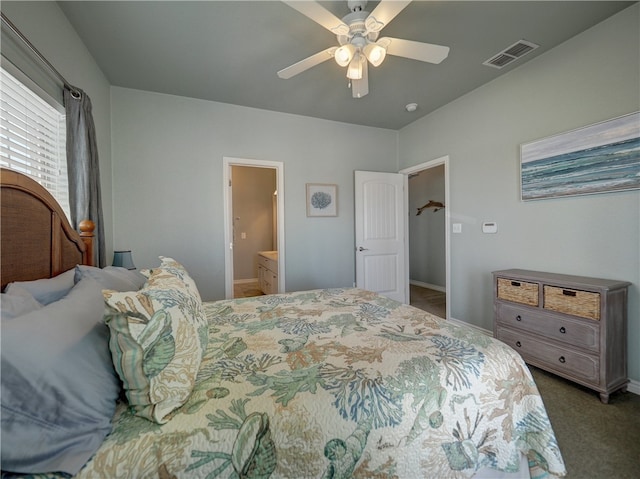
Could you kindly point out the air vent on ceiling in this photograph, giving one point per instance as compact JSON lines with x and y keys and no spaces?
{"x":510,"y":54}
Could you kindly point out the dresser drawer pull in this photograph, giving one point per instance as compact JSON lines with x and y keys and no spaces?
{"x":518,"y":318}
{"x":568,"y":292}
{"x":562,"y":359}
{"x":519,"y":344}
{"x":515,"y":283}
{"x":563,"y":330}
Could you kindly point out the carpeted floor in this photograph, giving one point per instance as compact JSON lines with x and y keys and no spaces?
{"x":597,"y":441}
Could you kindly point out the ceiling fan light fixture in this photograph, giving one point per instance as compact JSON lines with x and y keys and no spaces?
{"x":358,"y":43}
{"x":354,"y":70}
{"x":375,"y":54}
{"x":344,"y":54}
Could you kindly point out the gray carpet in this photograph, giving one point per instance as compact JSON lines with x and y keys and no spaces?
{"x":596,"y":440}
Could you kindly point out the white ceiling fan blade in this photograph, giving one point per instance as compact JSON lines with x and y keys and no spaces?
{"x":360,"y":88}
{"x":384,"y":13}
{"x":424,"y":52}
{"x":307,"y":63}
{"x":320,"y":15}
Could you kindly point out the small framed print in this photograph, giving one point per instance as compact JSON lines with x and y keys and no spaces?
{"x":322,"y":199}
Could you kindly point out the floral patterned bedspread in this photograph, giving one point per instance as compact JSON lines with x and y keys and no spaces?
{"x":340,"y":383}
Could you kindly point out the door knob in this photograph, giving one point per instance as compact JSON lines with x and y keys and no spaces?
{"x":360,"y":248}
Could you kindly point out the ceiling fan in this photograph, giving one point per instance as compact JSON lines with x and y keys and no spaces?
{"x":357,"y":35}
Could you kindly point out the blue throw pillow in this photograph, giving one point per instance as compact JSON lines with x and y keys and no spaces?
{"x":46,"y":290}
{"x":18,"y":303}
{"x":59,"y":387}
{"x":112,"y":277}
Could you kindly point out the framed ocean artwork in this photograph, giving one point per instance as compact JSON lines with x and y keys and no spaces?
{"x":322,"y":199}
{"x":599,"y":158}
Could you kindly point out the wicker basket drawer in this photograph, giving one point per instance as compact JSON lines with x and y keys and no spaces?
{"x":584,"y":304}
{"x":518,"y":291}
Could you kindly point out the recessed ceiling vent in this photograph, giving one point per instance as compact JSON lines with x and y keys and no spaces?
{"x":510,"y":54}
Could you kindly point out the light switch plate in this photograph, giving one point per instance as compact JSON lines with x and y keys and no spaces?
{"x":457,"y":227}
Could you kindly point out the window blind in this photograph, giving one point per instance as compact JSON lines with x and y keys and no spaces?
{"x":33,"y":137}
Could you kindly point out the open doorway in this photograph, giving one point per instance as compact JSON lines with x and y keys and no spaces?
{"x":428,"y":236}
{"x":254,"y":227}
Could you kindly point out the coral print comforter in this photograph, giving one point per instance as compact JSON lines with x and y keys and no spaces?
{"x":340,"y":383}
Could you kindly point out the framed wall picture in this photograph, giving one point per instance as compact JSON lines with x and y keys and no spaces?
{"x":322,"y":199}
{"x":599,"y":158}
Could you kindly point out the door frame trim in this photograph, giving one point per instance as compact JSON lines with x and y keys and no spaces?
{"x":227,"y":163}
{"x":443,"y":160}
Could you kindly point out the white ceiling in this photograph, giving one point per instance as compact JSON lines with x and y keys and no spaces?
{"x":230,"y":51}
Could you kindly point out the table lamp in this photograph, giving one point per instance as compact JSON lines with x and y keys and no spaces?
{"x":123,"y":259}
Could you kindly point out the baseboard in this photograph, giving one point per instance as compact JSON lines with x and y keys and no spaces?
{"x":427,"y":285}
{"x":245,"y":281}
{"x":478,"y":329}
{"x":632,"y":387}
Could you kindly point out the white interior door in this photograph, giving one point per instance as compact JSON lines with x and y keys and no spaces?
{"x":380,"y":234}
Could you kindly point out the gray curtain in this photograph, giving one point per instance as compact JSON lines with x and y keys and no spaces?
{"x":85,"y":199}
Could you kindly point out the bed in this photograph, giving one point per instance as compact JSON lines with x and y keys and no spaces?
{"x":330,"y":383}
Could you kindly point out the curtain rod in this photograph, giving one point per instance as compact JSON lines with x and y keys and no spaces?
{"x":74,"y":91}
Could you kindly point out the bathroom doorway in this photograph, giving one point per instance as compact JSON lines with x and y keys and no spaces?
{"x":254,"y":218}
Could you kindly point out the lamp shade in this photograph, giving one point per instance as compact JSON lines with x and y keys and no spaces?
{"x":354,"y":70}
{"x":344,"y":54}
{"x":123,"y":259}
{"x":375,"y":54}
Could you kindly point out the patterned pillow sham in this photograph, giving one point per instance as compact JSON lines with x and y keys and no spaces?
{"x":158,"y":338}
{"x":170,"y":273}
{"x":171,"y":270}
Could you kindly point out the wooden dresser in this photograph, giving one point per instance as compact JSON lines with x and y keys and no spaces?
{"x":572,"y":326}
{"x":268,"y":271}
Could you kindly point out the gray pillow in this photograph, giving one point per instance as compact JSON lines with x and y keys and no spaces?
{"x":58,"y":385}
{"x":47,"y":290}
{"x":16,"y":304}
{"x":112,"y":277}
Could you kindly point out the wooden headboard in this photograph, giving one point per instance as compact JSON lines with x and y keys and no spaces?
{"x":36,"y":239}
